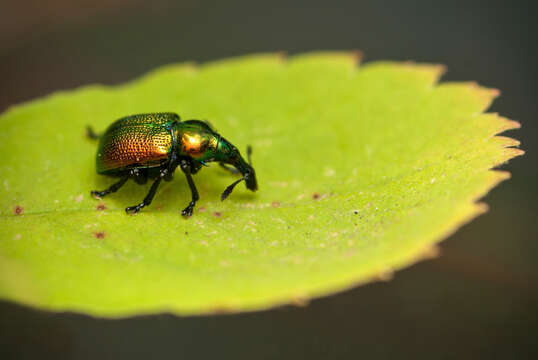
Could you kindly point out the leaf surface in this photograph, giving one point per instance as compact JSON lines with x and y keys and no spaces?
{"x":361,"y":171}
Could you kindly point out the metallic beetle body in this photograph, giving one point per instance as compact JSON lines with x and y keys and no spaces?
{"x":142,"y":141}
{"x":146,"y":146}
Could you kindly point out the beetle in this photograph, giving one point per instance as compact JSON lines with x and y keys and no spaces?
{"x":153,"y":145}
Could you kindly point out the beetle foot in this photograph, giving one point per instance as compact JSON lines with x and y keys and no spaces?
{"x":187,"y":211}
{"x":97,"y":194}
{"x":133,"y":209}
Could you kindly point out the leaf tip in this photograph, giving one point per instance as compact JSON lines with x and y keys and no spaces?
{"x":432,"y":73}
{"x":502,"y":123}
{"x":511,"y":152}
{"x":482,"y":207}
{"x":431,"y":252}
{"x":485,"y":93}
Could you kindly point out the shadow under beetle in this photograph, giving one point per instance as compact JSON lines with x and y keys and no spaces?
{"x":152,"y":146}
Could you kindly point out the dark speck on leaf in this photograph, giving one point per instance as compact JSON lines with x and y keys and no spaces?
{"x":217,"y":214}
{"x":99,"y":234}
{"x":18,"y":210}
{"x":315,"y":196}
{"x":186,"y":233}
{"x":355,"y":212}
{"x":101,"y":207}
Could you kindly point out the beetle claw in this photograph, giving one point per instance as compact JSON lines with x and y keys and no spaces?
{"x":133,"y":209}
{"x":96,"y":194}
{"x":187,"y":211}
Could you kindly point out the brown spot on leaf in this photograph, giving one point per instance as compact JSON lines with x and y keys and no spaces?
{"x":201,"y":209}
{"x":217,"y":214}
{"x":315,"y":196}
{"x":275,"y":204}
{"x":18,"y":210}
{"x":101,"y":207}
{"x":99,"y":235}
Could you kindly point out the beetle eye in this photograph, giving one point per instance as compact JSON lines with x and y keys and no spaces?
{"x":193,"y":144}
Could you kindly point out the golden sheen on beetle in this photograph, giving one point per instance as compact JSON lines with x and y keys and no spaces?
{"x":152,"y":146}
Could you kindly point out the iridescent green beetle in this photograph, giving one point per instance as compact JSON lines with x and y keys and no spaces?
{"x":152,"y":146}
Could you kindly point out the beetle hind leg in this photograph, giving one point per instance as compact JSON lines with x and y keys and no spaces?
{"x":147,"y":200}
{"x":113,"y":188}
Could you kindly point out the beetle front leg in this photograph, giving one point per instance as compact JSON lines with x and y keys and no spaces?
{"x":186,"y":167}
{"x":229,"y":169}
{"x":113,"y":188}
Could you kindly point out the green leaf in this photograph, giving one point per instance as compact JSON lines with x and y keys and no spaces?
{"x":361,"y":171}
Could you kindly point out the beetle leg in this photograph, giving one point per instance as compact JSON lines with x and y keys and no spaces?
{"x":169,"y":177}
{"x":147,"y":199}
{"x":195,"y":168}
{"x":92,"y":134}
{"x":172,"y":165}
{"x":186,"y":167}
{"x":140,"y":176}
{"x":113,"y":188}
{"x":230,"y":169}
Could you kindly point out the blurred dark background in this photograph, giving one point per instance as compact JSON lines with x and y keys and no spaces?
{"x":478,"y":300}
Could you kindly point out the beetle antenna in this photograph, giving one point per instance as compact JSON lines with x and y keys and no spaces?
{"x":249,"y":153}
{"x":230,"y":188}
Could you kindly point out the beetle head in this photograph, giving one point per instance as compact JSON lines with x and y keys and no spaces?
{"x":200,"y":142}
{"x":229,"y":154}
{"x":246,"y":170}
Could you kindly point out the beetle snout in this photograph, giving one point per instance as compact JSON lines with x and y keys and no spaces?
{"x":249,"y":175}
{"x":250,"y":180}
